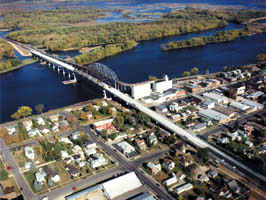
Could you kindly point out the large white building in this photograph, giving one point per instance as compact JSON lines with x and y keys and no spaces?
{"x":216,"y":97}
{"x":214,"y":115}
{"x":161,"y":86}
{"x":121,"y":185}
{"x":141,"y":90}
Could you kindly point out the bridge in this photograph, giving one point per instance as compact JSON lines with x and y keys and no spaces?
{"x":109,"y":84}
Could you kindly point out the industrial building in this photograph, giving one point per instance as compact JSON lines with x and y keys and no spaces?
{"x":216,"y":97}
{"x":253,"y":104}
{"x":214,"y":115}
{"x":239,"y":106}
{"x":121,"y":185}
{"x":141,"y":90}
{"x":143,"y":196}
{"x":161,"y":86}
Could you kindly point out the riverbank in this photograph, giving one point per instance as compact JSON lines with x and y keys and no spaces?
{"x":19,"y":49}
{"x":23,"y":63}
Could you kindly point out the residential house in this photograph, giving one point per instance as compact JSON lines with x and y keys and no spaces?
{"x":78,"y":150}
{"x":64,"y":154}
{"x":141,"y":144}
{"x":187,"y":160}
{"x":154,"y":168}
{"x":40,"y":121}
{"x":34,"y":132}
{"x":75,"y":135}
{"x":126,"y":148}
{"x":183,"y":188}
{"x":29,"y":152}
{"x":170,"y":181}
{"x":54,"y":118}
{"x":203,"y":178}
{"x":44,"y":131}
{"x":52,"y":176}
{"x":212,"y":173}
{"x":73,"y":171}
{"x":27,"y":124}
{"x":168,"y":164}
{"x":152,"y":139}
{"x":98,"y":160}
{"x":234,"y":187}
{"x":11,"y":129}
{"x":65,"y":140}
{"x":103,"y":125}
{"x":40,"y":177}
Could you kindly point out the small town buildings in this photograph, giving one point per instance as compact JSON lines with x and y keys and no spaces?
{"x":255,"y":95}
{"x":162,"y":85}
{"x":239,"y":106}
{"x":34,"y":132}
{"x":152,"y":139}
{"x":234,"y":187}
{"x":40,"y":121}
{"x":183,"y":188}
{"x":237,"y":89}
{"x":54,"y":118}
{"x":98,"y":160}
{"x":168,"y":164}
{"x":78,"y":150}
{"x":214,"y":115}
{"x":193,"y":88}
{"x":199,"y":127}
{"x":208,"y":104}
{"x":11,"y":130}
{"x":52,"y":176}
{"x":174,"y":107}
{"x":187,"y":160}
{"x":73,"y":171}
{"x":126,"y":148}
{"x":29,"y":152}
{"x":154,"y":168}
{"x":254,"y":105}
{"x":203,"y":178}
{"x":75,"y":135}
{"x":44,"y":131}
{"x":65,"y":140}
{"x":217,"y":98}
{"x":27,"y":124}
{"x":40,"y":176}
{"x":143,"y":196}
{"x":64,"y":154}
{"x":141,"y":144}
{"x":170,"y":181}
{"x":212,"y":174}
{"x":103,"y":125}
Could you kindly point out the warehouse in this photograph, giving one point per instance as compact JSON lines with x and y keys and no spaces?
{"x":121,"y":185}
{"x":216,"y":97}
{"x":214,"y":115}
{"x":239,"y":106}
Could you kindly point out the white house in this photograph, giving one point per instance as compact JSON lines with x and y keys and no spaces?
{"x":27,"y":124}
{"x":40,"y":176}
{"x":40,"y":121}
{"x":29,"y":152}
{"x":11,"y":130}
{"x":34,"y":132}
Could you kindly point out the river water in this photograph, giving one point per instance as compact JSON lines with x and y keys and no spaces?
{"x":36,"y":84}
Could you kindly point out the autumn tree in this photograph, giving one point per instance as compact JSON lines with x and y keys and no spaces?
{"x":39,"y":108}
{"x":261,"y":57}
{"x":186,"y":73}
{"x":194,"y":71}
{"x":23,"y":111}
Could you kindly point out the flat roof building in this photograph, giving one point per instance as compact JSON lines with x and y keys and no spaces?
{"x":216,"y":97}
{"x":214,"y":115}
{"x":123,"y":184}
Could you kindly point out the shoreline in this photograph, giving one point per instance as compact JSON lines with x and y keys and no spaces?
{"x":23,"y":64}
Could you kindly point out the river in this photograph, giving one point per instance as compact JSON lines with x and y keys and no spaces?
{"x":35,"y":84}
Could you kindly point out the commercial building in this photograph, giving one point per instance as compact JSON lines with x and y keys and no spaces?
{"x":121,"y":185}
{"x":214,"y":115}
{"x":103,"y":125}
{"x":141,"y":90}
{"x":161,"y":86}
{"x":143,"y":196}
{"x":216,"y":97}
{"x":254,"y":105}
{"x":183,"y":188}
{"x":239,"y":106}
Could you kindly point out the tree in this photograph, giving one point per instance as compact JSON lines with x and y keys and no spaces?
{"x":186,"y":73}
{"x":194,"y":71}
{"x":203,"y":155}
{"x":23,"y":111}
{"x":207,"y":72}
{"x":261,"y":57}
{"x":39,"y":108}
{"x":152,"y":78}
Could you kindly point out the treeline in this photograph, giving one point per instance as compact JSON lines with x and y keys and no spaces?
{"x":6,"y":50}
{"x":220,"y":36}
{"x":28,"y":20}
{"x":55,"y":39}
{"x":8,"y":64}
{"x":231,"y":15}
{"x":103,"y":52}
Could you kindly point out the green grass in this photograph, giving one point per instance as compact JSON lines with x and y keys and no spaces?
{"x":3,"y":172}
{"x":24,"y":63}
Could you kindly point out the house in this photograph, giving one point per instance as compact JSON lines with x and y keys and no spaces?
{"x":103,"y":125}
{"x":183,"y":188}
{"x":203,"y":178}
{"x":75,"y":135}
{"x":237,"y":89}
{"x":78,"y":150}
{"x":154,"y":168}
{"x":28,"y":165}
{"x":208,"y":104}
{"x":40,"y":121}
{"x":90,"y":151}
{"x":170,"y":181}
{"x":249,"y":143}
{"x":212,"y":174}
{"x":234,"y":187}
{"x":187,"y":160}
{"x":65,"y":140}
{"x":199,"y":127}
{"x":29,"y":152}
{"x":64,"y":154}
{"x":168,"y":164}
{"x":45,"y":131}
{"x":141,"y":144}
{"x":162,"y":108}
{"x":262,"y":149}
{"x":174,"y":107}
{"x":52,"y":176}
{"x":152,"y":139}
{"x":73,"y":171}
{"x":27,"y":124}
{"x":34,"y":132}
{"x":223,"y":140}
{"x":40,"y":176}
{"x":248,"y":129}
{"x":126,"y":148}
{"x":55,"y":127}
{"x":54,"y":118}
{"x":68,"y":160}
{"x":64,"y":123}
{"x":193,"y":88}
{"x":98,"y":160}
{"x":11,"y":129}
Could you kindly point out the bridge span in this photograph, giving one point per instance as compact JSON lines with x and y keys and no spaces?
{"x":163,"y":121}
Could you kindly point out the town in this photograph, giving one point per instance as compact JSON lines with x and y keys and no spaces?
{"x":106,"y":149}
